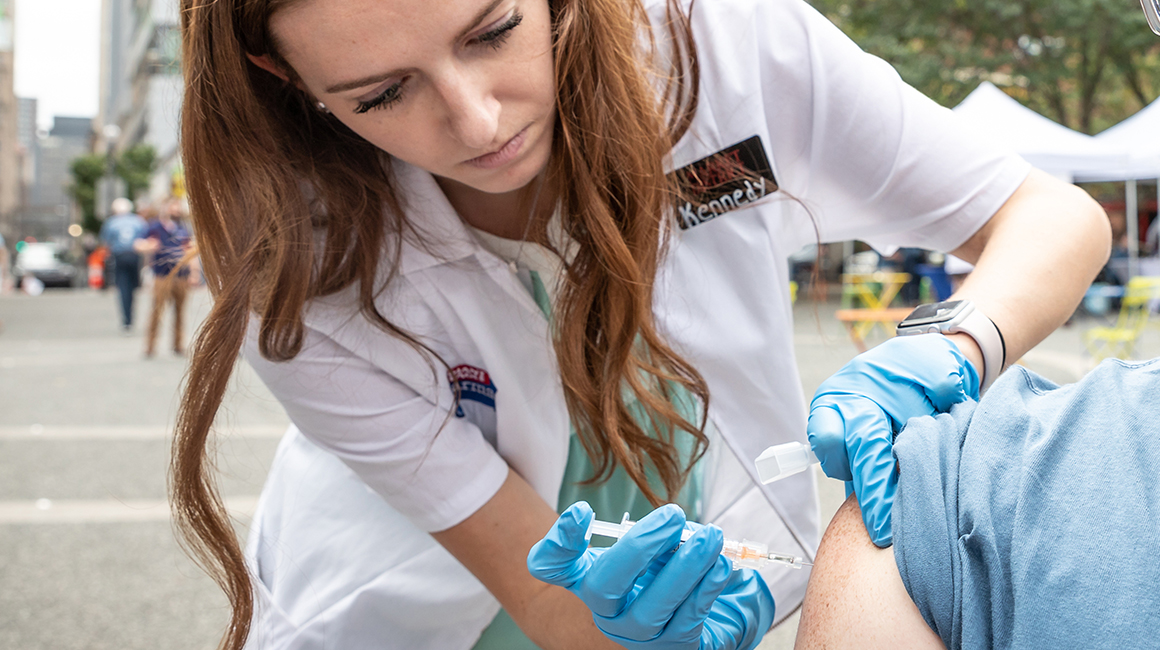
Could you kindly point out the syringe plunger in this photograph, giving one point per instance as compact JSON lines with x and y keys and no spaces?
{"x":609,"y":529}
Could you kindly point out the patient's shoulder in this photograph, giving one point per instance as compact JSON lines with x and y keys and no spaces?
{"x":856,"y":597}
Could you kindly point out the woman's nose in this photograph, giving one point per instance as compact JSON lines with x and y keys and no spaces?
{"x":472,"y":112}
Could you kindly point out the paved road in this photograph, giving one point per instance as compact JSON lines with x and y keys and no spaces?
{"x":87,"y":555}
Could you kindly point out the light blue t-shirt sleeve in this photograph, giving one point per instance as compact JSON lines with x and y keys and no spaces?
{"x":1031,"y":519}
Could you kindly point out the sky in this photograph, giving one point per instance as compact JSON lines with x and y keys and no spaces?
{"x":58,"y":55}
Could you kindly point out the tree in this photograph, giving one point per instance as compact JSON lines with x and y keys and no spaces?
{"x":1085,"y":63}
{"x":87,"y":171}
{"x":136,"y":166}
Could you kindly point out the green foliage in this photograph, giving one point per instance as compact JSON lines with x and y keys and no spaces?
{"x":1085,"y":63}
{"x":135,"y":166}
{"x":87,"y":171}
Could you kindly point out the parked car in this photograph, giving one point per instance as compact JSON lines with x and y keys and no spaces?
{"x":46,"y":262}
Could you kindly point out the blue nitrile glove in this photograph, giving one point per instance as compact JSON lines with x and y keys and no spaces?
{"x":855,"y":414}
{"x":643,"y":595}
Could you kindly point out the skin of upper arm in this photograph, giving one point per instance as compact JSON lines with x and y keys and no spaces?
{"x":493,"y":544}
{"x":1042,"y":196}
{"x":855,"y":597}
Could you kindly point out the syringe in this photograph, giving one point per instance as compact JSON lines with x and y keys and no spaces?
{"x":744,"y":554}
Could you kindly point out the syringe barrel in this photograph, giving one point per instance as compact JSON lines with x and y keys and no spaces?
{"x":745,"y":554}
{"x":609,"y":529}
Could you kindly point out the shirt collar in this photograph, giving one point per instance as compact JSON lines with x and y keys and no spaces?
{"x":438,"y":235}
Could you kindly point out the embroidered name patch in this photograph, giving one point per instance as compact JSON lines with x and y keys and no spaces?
{"x":727,"y":180}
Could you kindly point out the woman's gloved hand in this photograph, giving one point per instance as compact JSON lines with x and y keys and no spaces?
{"x":855,"y":414}
{"x":644,"y":595}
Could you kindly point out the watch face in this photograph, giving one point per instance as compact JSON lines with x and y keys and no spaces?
{"x":939,"y":312}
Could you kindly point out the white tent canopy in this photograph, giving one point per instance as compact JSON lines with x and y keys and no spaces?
{"x":1138,"y":137}
{"x":1045,"y":144}
{"x":1139,"y":134}
{"x":1126,"y":152}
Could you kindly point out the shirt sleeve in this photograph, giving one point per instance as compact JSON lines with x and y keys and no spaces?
{"x":888,"y":165}
{"x":866,"y":155}
{"x":433,"y":467}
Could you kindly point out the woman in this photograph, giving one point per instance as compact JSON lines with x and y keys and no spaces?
{"x":445,"y":240}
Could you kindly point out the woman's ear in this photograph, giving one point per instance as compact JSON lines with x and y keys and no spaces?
{"x":266,"y":63}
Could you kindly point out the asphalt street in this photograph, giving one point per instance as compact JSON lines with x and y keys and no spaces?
{"x":87,"y":555}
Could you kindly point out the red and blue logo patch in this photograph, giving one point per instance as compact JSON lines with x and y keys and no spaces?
{"x":476,"y":400}
{"x":471,"y":384}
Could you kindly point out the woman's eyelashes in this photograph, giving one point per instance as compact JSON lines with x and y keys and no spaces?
{"x":390,"y":96}
{"x":493,"y":38}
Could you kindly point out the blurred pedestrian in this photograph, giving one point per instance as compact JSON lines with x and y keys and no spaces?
{"x":1152,"y":236}
{"x":144,"y":246}
{"x":168,"y":239}
{"x":4,"y":265}
{"x":119,"y":233}
{"x":1115,"y":271}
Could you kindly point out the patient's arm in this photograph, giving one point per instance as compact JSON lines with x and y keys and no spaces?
{"x":855,"y":597}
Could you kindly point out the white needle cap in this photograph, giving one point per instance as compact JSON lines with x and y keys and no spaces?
{"x":780,"y":461}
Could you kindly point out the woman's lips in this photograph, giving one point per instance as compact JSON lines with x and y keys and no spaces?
{"x":502,"y":156}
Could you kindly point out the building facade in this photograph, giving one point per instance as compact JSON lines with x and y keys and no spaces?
{"x":9,"y":163}
{"x":141,"y":85}
{"x":69,"y":138}
{"x":48,"y":208}
{"x":26,"y":143}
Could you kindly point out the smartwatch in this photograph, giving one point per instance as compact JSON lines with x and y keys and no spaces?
{"x":953,"y":316}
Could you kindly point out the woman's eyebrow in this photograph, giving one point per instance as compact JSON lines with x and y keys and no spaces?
{"x":383,"y":76}
{"x":365,"y":81}
{"x":479,"y":18}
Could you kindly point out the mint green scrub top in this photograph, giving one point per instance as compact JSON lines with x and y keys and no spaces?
{"x":609,"y":499}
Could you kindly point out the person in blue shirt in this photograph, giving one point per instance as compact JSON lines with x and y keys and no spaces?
{"x":168,"y":239}
{"x":3,"y":264}
{"x":1024,"y":520}
{"x":119,"y":233}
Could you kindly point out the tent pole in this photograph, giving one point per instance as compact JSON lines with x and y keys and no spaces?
{"x":1132,"y":217}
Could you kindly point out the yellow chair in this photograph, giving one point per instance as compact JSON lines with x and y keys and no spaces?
{"x":1140,"y":296}
{"x":875,"y":290}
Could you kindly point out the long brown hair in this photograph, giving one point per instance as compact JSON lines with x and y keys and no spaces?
{"x":265,"y":172}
